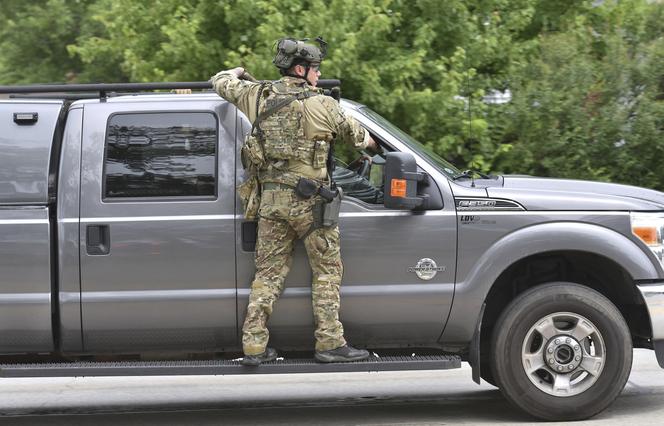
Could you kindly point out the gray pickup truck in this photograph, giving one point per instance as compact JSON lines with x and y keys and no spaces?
{"x":123,"y":250}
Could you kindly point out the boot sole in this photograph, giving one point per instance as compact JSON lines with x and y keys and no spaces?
{"x":332,"y":358}
{"x":258,"y":362}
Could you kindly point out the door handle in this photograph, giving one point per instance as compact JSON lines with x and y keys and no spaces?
{"x":98,"y":240}
{"x":249,"y":231}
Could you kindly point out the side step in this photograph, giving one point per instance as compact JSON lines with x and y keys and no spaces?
{"x":222,"y":367}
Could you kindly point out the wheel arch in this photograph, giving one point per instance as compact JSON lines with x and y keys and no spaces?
{"x":588,"y":254}
{"x":589,"y":269}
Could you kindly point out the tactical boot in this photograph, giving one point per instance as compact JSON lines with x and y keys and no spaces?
{"x":345,"y":353}
{"x":255,"y":360}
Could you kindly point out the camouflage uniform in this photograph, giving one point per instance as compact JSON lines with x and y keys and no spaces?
{"x":283,"y":217}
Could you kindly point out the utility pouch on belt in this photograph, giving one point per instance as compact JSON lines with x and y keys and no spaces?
{"x":306,"y":188}
{"x":331,"y":210}
{"x":250,"y":195}
{"x":321,"y":149}
{"x":251,"y":153}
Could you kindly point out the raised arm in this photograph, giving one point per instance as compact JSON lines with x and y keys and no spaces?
{"x":241,"y":93}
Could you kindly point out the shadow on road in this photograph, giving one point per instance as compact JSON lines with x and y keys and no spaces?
{"x":482,"y":406}
{"x":404,"y":398}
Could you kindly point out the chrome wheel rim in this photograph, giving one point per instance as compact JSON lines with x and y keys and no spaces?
{"x":563,"y":354}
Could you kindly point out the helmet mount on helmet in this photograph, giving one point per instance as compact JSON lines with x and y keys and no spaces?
{"x":291,"y":52}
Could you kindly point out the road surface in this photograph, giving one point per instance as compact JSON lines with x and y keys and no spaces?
{"x":387,"y":398}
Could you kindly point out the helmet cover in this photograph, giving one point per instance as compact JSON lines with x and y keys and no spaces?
{"x":289,"y":51}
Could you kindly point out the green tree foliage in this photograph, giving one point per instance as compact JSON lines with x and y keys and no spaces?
{"x":586,"y":77}
{"x":422,"y":65}
{"x":34,"y":37}
{"x":589,"y":103}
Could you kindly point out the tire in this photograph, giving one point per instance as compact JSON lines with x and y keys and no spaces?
{"x":561,"y":352}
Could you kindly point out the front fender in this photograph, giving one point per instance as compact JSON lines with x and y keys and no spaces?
{"x":471,"y":293}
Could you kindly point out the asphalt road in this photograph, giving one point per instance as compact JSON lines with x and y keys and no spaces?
{"x":389,"y":398}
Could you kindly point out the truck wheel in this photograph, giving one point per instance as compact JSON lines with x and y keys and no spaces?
{"x":561,"y":351}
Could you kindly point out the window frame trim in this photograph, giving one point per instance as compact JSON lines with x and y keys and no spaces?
{"x":161,"y":199}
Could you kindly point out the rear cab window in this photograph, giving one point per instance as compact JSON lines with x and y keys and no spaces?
{"x":160,"y":156}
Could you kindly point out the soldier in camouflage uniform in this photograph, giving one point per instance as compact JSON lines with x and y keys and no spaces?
{"x":295,"y":142}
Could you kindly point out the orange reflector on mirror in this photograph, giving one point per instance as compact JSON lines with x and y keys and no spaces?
{"x":398,"y":188}
{"x":647,"y":233}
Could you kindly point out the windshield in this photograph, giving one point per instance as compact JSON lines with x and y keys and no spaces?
{"x":404,"y":137}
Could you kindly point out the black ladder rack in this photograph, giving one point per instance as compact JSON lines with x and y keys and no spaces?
{"x":104,"y":89}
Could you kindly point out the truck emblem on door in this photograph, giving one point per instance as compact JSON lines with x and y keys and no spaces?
{"x":426,"y":269}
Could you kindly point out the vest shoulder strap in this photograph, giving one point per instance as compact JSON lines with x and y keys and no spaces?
{"x":281,"y":103}
{"x":258,"y":100}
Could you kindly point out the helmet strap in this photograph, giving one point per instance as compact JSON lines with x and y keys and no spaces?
{"x":306,"y":72}
{"x":294,"y":76}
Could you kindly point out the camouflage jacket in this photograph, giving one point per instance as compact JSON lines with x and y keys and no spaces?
{"x":323,"y":117}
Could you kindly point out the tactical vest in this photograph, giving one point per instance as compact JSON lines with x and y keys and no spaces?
{"x":282,"y":134}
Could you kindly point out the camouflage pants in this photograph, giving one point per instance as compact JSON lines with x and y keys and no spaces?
{"x":284,"y":218}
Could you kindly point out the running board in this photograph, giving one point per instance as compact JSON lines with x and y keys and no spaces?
{"x":223,"y":367}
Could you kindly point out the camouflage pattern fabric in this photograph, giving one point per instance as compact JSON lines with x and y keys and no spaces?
{"x":323,"y":119}
{"x":283,"y":218}
{"x":249,"y":193}
{"x":283,"y":133}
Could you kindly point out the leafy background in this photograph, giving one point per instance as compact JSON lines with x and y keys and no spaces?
{"x":585,"y":78}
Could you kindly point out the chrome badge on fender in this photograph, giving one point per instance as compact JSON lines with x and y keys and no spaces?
{"x":426,"y":269}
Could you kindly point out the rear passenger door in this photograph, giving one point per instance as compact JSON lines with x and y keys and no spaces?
{"x":156,"y":226}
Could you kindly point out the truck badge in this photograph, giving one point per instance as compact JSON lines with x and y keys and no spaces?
{"x":426,"y":269}
{"x":476,"y":204}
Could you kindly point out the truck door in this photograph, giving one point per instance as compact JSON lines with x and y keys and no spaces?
{"x":157,"y":226}
{"x":384,"y":302}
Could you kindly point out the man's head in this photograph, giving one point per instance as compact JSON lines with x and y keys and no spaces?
{"x":298,"y":58}
{"x":308,"y":71}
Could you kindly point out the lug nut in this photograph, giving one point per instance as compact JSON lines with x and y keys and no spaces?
{"x":557,"y":341}
{"x":577,"y":358}
{"x":568,"y":340}
{"x":560,"y":368}
{"x":571,"y":367}
{"x":576,"y":348}
{"x":550,"y":350}
{"x":551,"y":361}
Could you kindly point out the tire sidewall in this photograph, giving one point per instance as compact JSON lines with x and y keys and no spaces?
{"x":523,"y":313}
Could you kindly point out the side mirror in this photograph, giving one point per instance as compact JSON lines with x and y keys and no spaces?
{"x":401,"y":179}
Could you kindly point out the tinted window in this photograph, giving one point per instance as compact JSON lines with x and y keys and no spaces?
{"x":161,"y":155}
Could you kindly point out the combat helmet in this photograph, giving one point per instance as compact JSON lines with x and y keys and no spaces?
{"x":290,"y":51}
